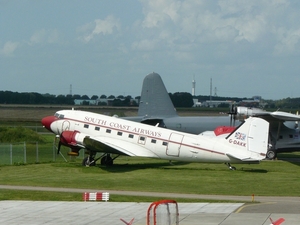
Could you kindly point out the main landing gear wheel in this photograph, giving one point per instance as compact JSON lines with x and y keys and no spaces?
{"x":88,"y":161}
{"x":107,"y":160}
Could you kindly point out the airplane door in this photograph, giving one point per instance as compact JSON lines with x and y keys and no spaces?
{"x":174,"y":144}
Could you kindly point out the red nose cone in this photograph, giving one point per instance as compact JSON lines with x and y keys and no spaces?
{"x":46,"y":121}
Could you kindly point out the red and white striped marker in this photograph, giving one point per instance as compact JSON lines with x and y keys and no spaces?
{"x":96,"y":196}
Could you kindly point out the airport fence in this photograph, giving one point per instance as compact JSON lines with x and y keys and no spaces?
{"x":33,"y":152}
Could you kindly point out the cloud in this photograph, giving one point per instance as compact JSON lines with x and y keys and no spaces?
{"x":9,"y":48}
{"x":145,"y":45}
{"x":288,"y":42}
{"x":172,"y":24}
{"x":44,"y":36}
{"x":158,"y":11}
{"x":98,"y":27}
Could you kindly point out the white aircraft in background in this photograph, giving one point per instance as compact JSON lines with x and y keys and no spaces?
{"x":284,"y":129}
{"x":247,"y":143}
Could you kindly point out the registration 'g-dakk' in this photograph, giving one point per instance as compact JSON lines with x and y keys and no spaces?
{"x":247,"y":143}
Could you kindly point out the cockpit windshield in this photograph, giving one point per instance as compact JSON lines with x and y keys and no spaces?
{"x":60,"y":116}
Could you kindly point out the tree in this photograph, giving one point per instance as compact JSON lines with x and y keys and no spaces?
{"x":85,"y":97}
{"x":94,"y":97}
{"x":111,"y":97}
{"x":182,"y":99}
{"x":76,"y":97}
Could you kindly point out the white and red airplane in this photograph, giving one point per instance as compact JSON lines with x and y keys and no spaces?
{"x":248,"y":143}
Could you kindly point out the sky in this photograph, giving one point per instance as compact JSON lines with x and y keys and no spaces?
{"x":240,"y":48}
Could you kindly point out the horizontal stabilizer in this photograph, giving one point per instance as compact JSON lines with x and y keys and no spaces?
{"x":243,"y":159}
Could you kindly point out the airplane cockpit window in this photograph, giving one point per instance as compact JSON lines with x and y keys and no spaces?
{"x":60,"y":116}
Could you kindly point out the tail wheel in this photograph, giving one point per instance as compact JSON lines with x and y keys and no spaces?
{"x":271,"y":154}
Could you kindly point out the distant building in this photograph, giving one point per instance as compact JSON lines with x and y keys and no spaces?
{"x":84,"y":101}
{"x":213,"y":104}
{"x":254,"y":102}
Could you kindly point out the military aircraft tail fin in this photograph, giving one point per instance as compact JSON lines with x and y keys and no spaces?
{"x":155,"y":100}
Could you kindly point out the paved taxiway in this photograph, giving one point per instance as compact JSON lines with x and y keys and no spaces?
{"x":107,"y":213}
{"x":48,"y":212}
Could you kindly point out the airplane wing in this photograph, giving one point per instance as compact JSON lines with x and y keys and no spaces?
{"x":111,"y":145}
{"x":277,"y":116}
{"x":269,"y":116}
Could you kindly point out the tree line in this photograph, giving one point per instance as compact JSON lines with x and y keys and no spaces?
{"x":179,"y":99}
{"x":8,"y":97}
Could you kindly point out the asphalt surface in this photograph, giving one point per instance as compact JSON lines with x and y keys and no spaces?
{"x":242,"y":212}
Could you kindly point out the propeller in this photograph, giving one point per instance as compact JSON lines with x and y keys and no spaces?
{"x":232,"y":112}
{"x":296,"y":123}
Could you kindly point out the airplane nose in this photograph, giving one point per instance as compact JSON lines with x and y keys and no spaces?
{"x":47,"y":121}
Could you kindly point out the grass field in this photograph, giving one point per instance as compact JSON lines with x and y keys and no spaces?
{"x":270,"y":178}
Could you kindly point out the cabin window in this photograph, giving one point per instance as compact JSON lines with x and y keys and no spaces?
{"x":153,"y":141}
{"x":97,"y":128}
{"x":130,"y":135}
{"x":165,"y":143}
{"x":108,"y":131}
{"x":142,"y":138}
{"x":178,"y":125}
{"x":119,"y":133}
{"x":86,"y":126}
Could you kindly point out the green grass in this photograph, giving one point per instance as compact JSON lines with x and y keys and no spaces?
{"x":270,"y":178}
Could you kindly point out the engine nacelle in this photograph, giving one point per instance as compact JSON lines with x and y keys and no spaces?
{"x":246,"y":111}
{"x":72,"y":138}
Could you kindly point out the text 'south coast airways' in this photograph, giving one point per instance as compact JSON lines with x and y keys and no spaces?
{"x":120,"y":126}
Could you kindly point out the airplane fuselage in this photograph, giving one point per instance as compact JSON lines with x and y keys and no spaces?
{"x":102,"y":133}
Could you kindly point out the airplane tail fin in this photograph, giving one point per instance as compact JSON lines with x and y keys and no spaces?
{"x":155,"y":100}
{"x":249,"y":142}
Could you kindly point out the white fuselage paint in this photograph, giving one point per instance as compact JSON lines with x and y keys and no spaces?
{"x":159,"y":142}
